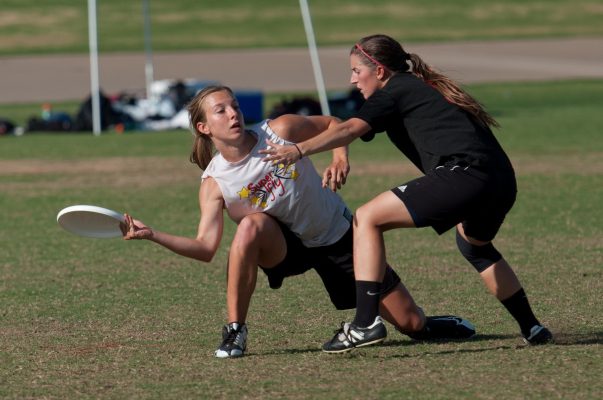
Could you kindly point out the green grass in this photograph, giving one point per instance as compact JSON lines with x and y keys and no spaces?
{"x":85,"y":318}
{"x":189,"y":24}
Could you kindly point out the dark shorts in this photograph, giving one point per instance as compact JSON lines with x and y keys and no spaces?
{"x":334,"y":264}
{"x":453,"y":194}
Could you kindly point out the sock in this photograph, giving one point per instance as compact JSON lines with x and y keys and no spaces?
{"x":368,"y":295}
{"x":520,"y":309}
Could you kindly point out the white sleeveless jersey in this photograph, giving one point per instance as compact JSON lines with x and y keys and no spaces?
{"x":293,"y":195}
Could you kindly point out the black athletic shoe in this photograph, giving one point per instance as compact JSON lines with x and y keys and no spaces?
{"x":350,"y":336}
{"x":538,"y":335}
{"x":444,"y":327}
{"x":234,"y":341}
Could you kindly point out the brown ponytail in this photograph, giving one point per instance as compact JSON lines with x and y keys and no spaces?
{"x":203,"y":150}
{"x":450,"y":90}
{"x":386,"y":51}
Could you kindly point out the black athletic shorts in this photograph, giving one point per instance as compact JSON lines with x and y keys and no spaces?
{"x":455,"y":193}
{"x":334,"y":264}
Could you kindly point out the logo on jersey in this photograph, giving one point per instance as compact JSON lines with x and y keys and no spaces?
{"x":270,"y":187}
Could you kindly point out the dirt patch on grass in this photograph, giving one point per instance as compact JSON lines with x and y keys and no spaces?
{"x":160,"y":171}
{"x":113,"y":172}
{"x":580,"y":164}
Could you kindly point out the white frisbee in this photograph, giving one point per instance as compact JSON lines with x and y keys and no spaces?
{"x":91,"y":221}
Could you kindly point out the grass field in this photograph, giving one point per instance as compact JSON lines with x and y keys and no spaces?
{"x":84,"y":318}
{"x":190,"y":24}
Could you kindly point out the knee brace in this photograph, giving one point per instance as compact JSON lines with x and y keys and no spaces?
{"x":481,"y":257}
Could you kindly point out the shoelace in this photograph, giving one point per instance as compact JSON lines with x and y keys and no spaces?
{"x":341,"y":328}
{"x":231,"y":337}
{"x":341,"y":331}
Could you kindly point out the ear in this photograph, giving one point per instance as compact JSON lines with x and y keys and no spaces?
{"x":203,"y":128}
{"x":381,"y":73}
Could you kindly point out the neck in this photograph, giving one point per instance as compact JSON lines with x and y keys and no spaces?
{"x":233,"y":152}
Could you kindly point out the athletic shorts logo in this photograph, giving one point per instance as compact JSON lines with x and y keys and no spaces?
{"x":402,"y":188}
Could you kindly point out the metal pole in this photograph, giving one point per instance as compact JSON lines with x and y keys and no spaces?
{"x":94,"y":85}
{"x":320,"y":85}
{"x":148,"y":68}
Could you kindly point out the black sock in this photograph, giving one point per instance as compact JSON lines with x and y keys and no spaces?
{"x":520,"y":309}
{"x":368,"y":295}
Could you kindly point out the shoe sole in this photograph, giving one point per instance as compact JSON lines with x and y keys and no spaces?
{"x":543,"y":337}
{"x":219,"y":355}
{"x":354,"y":347}
{"x":539,"y":342}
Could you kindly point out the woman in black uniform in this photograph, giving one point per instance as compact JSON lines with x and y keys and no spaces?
{"x":468,"y":179}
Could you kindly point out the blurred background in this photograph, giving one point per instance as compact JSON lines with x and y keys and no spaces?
{"x":154,"y":54}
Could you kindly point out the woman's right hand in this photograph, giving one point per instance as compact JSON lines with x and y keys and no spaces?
{"x":335,"y":175}
{"x":135,"y":229}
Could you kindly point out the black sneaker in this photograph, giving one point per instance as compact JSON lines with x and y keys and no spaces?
{"x":350,"y":336}
{"x":538,"y":335}
{"x":444,"y":327}
{"x":234,"y":341}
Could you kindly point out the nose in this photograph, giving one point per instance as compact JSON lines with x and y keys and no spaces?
{"x":232,"y":112}
{"x":353,"y":79}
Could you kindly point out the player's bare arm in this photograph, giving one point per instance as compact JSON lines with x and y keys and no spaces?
{"x":204,"y":246}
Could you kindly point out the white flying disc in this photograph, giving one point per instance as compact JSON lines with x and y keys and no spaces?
{"x":91,"y":221}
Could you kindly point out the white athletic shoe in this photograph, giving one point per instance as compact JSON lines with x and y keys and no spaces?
{"x":234,"y":341}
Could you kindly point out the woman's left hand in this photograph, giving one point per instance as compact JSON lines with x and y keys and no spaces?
{"x":277,"y":153}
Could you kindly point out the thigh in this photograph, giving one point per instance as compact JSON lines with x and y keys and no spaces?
{"x":489,"y":214}
{"x":264,"y":232}
{"x":386,"y":211}
{"x":297,"y":258}
{"x":335,"y":266}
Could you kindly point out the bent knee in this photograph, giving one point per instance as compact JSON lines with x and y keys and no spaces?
{"x":365,"y":216}
{"x":251,"y":228}
{"x":480,"y":256}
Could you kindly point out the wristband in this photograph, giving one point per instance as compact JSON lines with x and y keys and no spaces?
{"x":299,"y":151}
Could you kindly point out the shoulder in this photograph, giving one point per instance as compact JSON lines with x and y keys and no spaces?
{"x":211,"y":167}
{"x":403,"y":84}
{"x":399,"y":89}
{"x":284,"y":126}
{"x":210,"y":190}
{"x":297,"y":128}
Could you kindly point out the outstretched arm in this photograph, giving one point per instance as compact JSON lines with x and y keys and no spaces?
{"x":337,"y":135}
{"x":209,"y":232}
{"x":297,"y":128}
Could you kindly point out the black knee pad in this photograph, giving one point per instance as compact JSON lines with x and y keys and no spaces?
{"x":390,"y":280}
{"x":481,"y":257}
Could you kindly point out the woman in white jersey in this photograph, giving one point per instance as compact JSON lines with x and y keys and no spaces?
{"x":287,"y":221}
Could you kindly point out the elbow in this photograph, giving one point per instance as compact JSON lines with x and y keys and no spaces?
{"x":206,"y":256}
{"x":204,"y":249}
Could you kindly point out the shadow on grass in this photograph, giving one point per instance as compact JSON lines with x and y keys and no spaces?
{"x":572,"y":339}
{"x":561,"y":339}
{"x":287,"y":352}
{"x":476,"y":338}
{"x":390,"y":343}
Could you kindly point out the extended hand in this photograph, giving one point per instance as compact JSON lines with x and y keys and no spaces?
{"x":276,"y":153}
{"x":134,"y":229}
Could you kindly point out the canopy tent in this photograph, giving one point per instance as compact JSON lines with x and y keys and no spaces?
{"x":94,"y":70}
